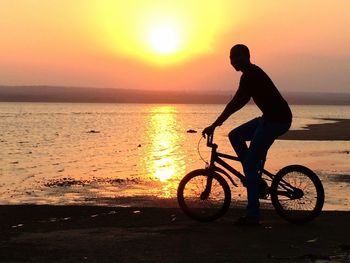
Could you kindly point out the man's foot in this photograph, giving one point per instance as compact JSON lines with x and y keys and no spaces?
{"x":248,"y":221}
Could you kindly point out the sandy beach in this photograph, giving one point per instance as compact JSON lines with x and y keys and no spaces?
{"x":110,"y":234}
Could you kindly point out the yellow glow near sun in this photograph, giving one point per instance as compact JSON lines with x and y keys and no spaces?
{"x":164,"y":39}
{"x":161,"y":32}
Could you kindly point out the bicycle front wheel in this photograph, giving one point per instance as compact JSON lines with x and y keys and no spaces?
{"x":297,"y":194}
{"x":204,"y":195}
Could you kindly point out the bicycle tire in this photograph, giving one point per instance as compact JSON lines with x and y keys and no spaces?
{"x":191,"y":189}
{"x":305,"y":190}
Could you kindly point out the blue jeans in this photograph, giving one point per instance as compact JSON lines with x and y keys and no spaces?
{"x":262,"y":133}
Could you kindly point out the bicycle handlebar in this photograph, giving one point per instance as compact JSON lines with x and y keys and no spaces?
{"x":210,"y":138}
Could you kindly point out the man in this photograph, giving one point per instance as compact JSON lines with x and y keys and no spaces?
{"x":262,"y":131}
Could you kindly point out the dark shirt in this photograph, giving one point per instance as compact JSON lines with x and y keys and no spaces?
{"x":256,"y":84}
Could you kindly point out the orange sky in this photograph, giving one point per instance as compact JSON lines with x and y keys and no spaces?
{"x":174,"y":44}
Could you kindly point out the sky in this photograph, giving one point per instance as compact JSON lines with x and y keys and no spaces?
{"x":174,"y":44}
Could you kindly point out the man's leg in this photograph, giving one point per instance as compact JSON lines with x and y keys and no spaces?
{"x":240,"y":135}
{"x":265,"y":134}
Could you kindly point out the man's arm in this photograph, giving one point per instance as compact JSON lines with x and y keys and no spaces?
{"x":240,"y":99}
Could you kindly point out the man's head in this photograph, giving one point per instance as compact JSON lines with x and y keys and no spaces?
{"x":240,"y":57}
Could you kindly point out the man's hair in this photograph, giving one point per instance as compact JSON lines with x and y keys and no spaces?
{"x":241,"y":49}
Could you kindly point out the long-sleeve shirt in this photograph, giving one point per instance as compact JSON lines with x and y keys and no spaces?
{"x":256,"y":84}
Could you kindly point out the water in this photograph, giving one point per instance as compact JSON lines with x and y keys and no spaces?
{"x":132,"y":154}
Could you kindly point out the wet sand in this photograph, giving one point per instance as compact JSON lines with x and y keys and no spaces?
{"x":111,"y":234}
{"x":337,"y":130}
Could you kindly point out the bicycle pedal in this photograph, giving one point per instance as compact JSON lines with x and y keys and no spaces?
{"x":264,"y":196}
{"x":265,"y":193}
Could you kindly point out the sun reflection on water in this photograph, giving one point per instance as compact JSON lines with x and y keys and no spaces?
{"x":165,"y":158}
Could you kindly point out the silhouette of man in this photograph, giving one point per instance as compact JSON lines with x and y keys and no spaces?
{"x":276,"y":119}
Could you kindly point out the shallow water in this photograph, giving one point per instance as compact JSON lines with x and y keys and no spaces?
{"x":62,"y":153}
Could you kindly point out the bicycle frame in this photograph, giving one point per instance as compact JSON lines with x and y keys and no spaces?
{"x":217,"y":158}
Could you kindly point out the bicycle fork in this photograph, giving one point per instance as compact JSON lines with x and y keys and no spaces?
{"x":205,"y":194}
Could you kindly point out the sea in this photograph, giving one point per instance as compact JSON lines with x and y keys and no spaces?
{"x":136,"y":154}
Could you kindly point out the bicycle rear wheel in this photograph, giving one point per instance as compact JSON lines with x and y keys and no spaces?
{"x":204,"y":195}
{"x":297,"y":194}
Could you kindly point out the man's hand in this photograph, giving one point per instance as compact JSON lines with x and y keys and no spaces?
{"x":209,"y":130}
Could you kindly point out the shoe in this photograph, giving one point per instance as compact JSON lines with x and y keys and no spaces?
{"x":248,"y":221}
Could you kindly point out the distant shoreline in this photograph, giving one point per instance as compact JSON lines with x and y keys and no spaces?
{"x":57,"y":94}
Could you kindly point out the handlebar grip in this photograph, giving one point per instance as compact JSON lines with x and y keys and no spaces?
{"x":210,"y":140}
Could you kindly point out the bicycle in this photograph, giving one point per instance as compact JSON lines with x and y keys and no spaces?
{"x":295,"y":191}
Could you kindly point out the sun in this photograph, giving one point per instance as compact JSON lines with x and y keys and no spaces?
{"x":164,"y":39}
{"x":160,"y":33}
